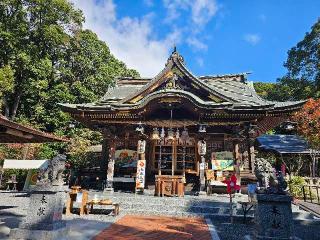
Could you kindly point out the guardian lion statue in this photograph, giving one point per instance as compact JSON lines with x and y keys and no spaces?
{"x":270,"y":181}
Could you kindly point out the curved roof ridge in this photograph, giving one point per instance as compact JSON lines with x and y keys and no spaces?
{"x":209,"y":77}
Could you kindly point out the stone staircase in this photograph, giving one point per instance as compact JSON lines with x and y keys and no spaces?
{"x":206,"y":206}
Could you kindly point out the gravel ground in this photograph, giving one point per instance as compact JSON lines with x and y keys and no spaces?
{"x":14,"y":206}
{"x":304,"y":230}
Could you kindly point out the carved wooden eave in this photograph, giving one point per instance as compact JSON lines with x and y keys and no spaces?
{"x":216,"y":100}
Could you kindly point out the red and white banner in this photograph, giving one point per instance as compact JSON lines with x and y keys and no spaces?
{"x":141,"y":172}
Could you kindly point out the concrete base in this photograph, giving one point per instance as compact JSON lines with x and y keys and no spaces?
{"x":202,"y":193}
{"x":108,"y":190}
{"x":273,"y":217}
{"x":18,"y":233}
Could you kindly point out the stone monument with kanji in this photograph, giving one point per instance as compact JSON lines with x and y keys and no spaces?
{"x":44,"y":217}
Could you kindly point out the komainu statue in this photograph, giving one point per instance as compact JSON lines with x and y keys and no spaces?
{"x":53,"y":175}
{"x":270,"y":181}
{"x":57,"y":167}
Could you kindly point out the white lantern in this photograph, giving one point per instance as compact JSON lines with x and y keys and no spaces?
{"x":202,"y":129}
{"x":141,"y":146}
{"x":155,"y":134}
{"x":170,"y":134}
{"x":202,"y":147}
{"x":185,"y":135}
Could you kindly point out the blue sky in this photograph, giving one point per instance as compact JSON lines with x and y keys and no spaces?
{"x":214,"y":36}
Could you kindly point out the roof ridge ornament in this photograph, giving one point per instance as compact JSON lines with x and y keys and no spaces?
{"x":175,"y":55}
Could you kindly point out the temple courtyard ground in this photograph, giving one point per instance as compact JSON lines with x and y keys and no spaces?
{"x":13,"y":209}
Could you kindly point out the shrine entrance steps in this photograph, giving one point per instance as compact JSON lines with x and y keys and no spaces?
{"x":204,"y":206}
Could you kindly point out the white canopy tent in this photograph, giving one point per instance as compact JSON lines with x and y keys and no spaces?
{"x":27,"y":165}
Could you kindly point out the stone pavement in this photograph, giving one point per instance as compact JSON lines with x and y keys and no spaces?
{"x":314,"y":208}
{"x":133,"y":227}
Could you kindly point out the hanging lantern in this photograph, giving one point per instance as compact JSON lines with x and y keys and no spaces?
{"x":170,"y":134}
{"x":202,"y":128}
{"x":140,"y":128}
{"x":155,"y":134}
{"x":185,"y":135}
{"x":162,"y":135}
{"x":141,"y":146}
{"x":177,"y":134}
{"x":202,"y":147}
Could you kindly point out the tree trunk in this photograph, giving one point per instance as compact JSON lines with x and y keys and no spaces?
{"x":313,"y":157}
{"x":6,"y":108}
{"x":15,"y":104}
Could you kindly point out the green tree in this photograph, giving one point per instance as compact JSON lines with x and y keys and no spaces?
{"x":6,"y":82}
{"x":53,"y":60}
{"x":303,"y":76}
{"x":47,"y":58}
{"x":272,"y":91}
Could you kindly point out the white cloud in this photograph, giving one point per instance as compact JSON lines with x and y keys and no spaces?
{"x":196,"y":14}
{"x":200,"y":61}
{"x":173,"y":8}
{"x":149,"y":3}
{"x":196,"y":44}
{"x":253,"y":39}
{"x":130,"y":39}
{"x":201,"y":11}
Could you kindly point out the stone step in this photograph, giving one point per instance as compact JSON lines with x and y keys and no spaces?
{"x":174,"y":213}
{"x":187,"y":206}
{"x":196,"y":210}
{"x":171,"y":208}
{"x":170,"y":203}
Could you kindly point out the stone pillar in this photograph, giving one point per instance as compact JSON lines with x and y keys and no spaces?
{"x":110,"y":170}
{"x":202,"y":149}
{"x":252,"y":155}
{"x":273,"y":217}
{"x":44,"y":217}
{"x":141,"y":166}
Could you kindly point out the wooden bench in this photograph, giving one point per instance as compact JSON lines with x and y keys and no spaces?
{"x":105,"y":202}
{"x":72,"y":197}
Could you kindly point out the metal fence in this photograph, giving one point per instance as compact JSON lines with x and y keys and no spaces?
{"x":311,"y":193}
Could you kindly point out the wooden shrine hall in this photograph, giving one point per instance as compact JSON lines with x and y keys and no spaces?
{"x":176,"y":127}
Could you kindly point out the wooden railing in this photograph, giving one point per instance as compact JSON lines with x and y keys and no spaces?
{"x":311,"y":193}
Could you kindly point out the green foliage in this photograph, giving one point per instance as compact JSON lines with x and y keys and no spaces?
{"x":269,"y":156}
{"x":21,"y":175}
{"x":47,"y":58}
{"x":78,"y":148}
{"x":303,"y":76}
{"x":272,"y":91}
{"x":6,"y":81}
{"x":295,"y":186}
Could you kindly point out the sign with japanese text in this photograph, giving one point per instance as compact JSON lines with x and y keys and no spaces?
{"x":222,"y":161}
{"x":141,"y":172}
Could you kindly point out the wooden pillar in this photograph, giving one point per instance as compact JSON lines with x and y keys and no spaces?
{"x":141,"y":166}
{"x":104,"y":158}
{"x":111,"y":160}
{"x":236,"y":155}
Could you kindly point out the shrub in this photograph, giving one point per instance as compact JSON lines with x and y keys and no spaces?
{"x":295,"y":186}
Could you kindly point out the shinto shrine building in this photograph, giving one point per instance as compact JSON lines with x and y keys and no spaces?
{"x":170,"y":129}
